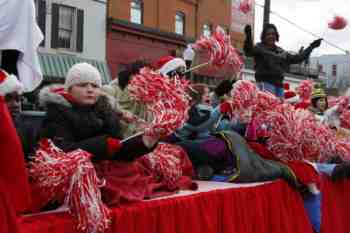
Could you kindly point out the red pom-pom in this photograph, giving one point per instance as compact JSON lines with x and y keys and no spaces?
{"x":304,"y":90}
{"x":71,"y":179}
{"x":220,"y":49}
{"x":338,"y":23}
{"x":166,"y":100}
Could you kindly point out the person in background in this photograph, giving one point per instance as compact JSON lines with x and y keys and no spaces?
{"x":319,"y":102}
{"x":271,"y":61}
{"x":25,"y":130}
{"x":132,"y":113}
{"x":170,"y":66}
{"x":14,"y":185}
{"x":222,"y":92}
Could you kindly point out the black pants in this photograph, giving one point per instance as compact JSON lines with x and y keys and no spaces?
{"x":9,"y":61}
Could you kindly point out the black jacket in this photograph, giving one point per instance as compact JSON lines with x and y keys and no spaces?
{"x":271,"y":64}
{"x":28,"y":134}
{"x":72,"y":127}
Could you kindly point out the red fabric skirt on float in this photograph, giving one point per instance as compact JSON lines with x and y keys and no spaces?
{"x":215,"y":208}
{"x":8,"y":220}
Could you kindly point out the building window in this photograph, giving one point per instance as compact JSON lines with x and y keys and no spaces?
{"x":136,"y":11}
{"x":320,"y":68}
{"x":180,"y":23}
{"x":334,"y":70}
{"x":67,"y":28}
{"x":206,"y":30}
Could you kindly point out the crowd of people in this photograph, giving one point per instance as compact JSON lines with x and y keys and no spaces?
{"x":106,"y":122}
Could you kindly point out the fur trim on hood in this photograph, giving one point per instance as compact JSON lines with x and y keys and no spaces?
{"x":54,"y":94}
{"x":51,"y":95}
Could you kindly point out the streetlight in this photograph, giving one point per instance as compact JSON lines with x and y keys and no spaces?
{"x":267,"y":8}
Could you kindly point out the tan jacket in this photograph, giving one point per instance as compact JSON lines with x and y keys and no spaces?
{"x":129,"y":108}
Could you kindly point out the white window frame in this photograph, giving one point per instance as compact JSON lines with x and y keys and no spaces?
{"x":180,"y":17}
{"x":207,"y":29}
{"x":140,"y":9}
{"x":73,"y":38}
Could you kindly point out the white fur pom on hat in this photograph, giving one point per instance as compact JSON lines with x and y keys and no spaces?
{"x":83,"y":73}
{"x":168,"y":63}
{"x":9,"y":83}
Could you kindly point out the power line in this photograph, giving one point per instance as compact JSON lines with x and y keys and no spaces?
{"x":303,"y":29}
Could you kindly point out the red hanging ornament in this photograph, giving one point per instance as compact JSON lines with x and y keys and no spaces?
{"x":245,"y":6}
{"x":338,"y":23}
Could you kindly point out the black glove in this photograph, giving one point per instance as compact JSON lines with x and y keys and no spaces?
{"x":248,"y":31}
{"x":316,"y":43}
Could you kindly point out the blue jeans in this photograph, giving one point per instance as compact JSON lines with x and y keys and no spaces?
{"x":276,"y":90}
{"x":312,"y":204}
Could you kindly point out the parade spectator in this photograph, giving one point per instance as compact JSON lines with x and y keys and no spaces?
{"x":319,"y":102}
{"x":271,"y":61}
{"x":132,"y":113}
{"x":26,"y":131}
{"x":14,"y":185}
{"x":222,"y":92}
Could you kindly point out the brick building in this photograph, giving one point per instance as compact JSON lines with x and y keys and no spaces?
{"x":149,"y":29}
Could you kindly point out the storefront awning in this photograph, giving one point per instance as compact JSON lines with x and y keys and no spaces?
{"x":55,"y":67}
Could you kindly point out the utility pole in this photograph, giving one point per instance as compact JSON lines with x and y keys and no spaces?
{"x":267,"y":8}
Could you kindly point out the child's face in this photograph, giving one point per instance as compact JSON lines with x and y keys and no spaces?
{"x":321,"y":104}
{"x":206,"y":97}
{"x":85,"y":93}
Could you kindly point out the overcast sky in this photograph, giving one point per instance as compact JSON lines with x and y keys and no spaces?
{"x":313,"y":15}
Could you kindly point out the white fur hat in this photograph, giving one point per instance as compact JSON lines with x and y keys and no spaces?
{"x":83,"y":73}
{"x":9,"y":83}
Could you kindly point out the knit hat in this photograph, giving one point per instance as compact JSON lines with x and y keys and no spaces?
{"x":9,"y":83}
{"x":318,"y":93}
{"x":169,"y":63}
{"x":83,"y":73}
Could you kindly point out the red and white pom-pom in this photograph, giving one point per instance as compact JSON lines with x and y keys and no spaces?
{"x":304,"y":90}
{"x":266,"y":101}
{"x":166,"y":163}
{"x":166,"y":99}
{"x":71,"y":176}
{"x":244,"y":98}
{"x":296,"y":135}
{"x":343,"y":104}
{"x":345,"y":119}
{"x":332,"y":101}
{"x":338,"y":23}
{"x":220,"y":49}
{"x":245,"y":6}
